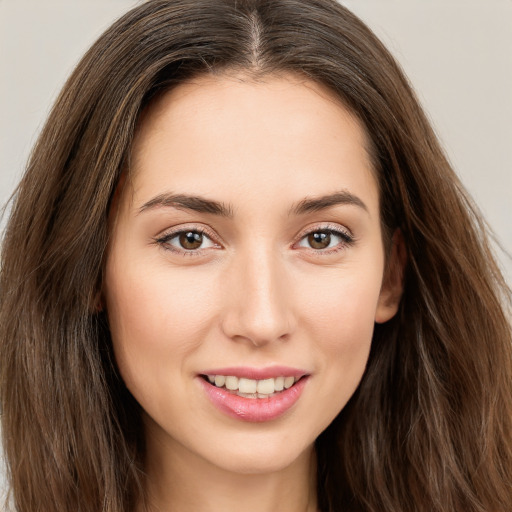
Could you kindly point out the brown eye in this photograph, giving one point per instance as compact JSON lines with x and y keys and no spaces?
{"x":319,"y":239}
{"x":187,"y":241}
{"x":326,"y":240}
{"x":191,"y":240}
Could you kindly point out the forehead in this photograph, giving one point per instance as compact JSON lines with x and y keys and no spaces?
{"x":208,"y":95}
{"x":246,"y":133}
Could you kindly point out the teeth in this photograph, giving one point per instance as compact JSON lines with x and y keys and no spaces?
{"x":288,"y":382}
{"x":247,"y":395}
{"x":250,"y":388}
{"x":247,"y":385}
{"x":232,"y":383}
{"x":265,"y":387}
{"x":220,"y":380}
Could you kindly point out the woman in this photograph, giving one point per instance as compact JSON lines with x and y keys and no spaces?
{"x":239,"y":271}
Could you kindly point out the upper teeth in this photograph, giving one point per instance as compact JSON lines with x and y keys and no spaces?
{"x":251,"y":386}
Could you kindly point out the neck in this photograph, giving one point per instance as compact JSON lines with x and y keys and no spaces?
{"x":178,"y":480}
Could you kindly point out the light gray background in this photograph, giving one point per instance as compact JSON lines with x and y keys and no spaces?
{"x":457,"y":53}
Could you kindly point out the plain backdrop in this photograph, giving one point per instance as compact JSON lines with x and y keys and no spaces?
{"x":457,"y":53}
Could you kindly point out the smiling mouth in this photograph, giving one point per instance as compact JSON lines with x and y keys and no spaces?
{"x":251,"y":388}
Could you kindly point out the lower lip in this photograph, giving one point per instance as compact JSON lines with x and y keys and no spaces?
{"x":254,"y":409}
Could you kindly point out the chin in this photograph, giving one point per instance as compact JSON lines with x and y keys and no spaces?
{"x":260,"y":454}
{"x":258,"y":464}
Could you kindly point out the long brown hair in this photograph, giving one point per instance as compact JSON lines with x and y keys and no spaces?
{"x":430,"y":426}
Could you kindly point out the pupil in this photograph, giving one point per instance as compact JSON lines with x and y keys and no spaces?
{"x":319,"y":240}
{"x":191,"y":240}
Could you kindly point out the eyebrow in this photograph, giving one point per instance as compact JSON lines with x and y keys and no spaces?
{"x":186,"y":202}
{"x":315,"y":204}
{"x":203,"y":205}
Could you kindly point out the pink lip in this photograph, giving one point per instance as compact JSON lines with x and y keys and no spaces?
{"x":257,"y":373}
{"x":253,"y":409}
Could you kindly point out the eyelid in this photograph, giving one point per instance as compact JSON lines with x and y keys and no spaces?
{"x":324,"y":226}
{"x":337,"y":229}
{"x":162,"y":238}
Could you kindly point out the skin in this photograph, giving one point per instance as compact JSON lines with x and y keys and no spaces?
{"x":255,"y":293}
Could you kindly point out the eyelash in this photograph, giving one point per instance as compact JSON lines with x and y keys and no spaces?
{"x":164,"y":240}
{"x":346,"y":240}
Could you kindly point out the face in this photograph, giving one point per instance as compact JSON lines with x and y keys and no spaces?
{"x":246,"y":250}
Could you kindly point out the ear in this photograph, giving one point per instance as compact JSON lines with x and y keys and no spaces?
{"x":393,"y":281}
{"x":98,"y":303}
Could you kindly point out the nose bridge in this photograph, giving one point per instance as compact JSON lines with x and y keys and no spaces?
{"x":260,"y":308}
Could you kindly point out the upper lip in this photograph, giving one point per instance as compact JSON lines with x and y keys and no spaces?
{"x":248,"y":372}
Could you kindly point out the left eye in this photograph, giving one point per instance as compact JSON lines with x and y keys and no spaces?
{"x":189,"y":240}
{"x":324,"y":239}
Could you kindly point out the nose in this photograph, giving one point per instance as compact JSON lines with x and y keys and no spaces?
{"x":259,"y":305}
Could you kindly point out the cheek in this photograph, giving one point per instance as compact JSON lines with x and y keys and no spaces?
{"x":341,"y":323}
{"x":346,"y":316}
{"x":341,"y":307}
{"x":156,"y":318}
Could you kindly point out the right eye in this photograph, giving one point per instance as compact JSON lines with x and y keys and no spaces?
{"x":186,"y":241}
